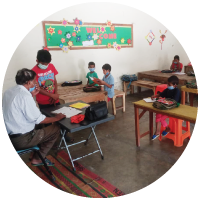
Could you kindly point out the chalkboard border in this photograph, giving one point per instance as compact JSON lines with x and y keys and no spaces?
{"x":85,"y":23}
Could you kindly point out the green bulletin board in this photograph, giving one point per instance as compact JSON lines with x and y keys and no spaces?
{"x":87,"y":36}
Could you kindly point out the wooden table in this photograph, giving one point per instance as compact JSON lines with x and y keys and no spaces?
{"x":191,"y":92}
{"x":188,"y":68}
{"x":183,"y":112}
{"x":69,"y":94}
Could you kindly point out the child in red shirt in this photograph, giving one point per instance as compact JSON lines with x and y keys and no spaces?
{"x":46,"y":77}
{"x":176,"y":65}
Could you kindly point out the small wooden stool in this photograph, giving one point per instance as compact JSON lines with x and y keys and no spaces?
{"x":117,"y":95}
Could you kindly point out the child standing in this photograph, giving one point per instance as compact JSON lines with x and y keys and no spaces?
{"x":92,"y":73}
{"x":46,"y":77}
{"x":171,"y":92}
{"x":107,"y":81}
{"x":176,"y":65}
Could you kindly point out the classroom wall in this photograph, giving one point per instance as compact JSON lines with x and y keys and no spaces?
{"x":73,"y":65}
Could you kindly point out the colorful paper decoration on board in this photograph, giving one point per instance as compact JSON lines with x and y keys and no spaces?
{"x":103,"y":29}
{"x":109,"y":45}
{"x":70,"y":43}
{"x":150,"y":37}
{"x":80,"y":22}
{"x":61,"y":45}
{"x":89,"y":37}
{"x":74,"y":34}
{"x":77,"y":28}
{"x":129,"y":41}
{"x":68,"y":35}
{"x":51,"y":30}
{"x":99,"y":42}
{"x":65,"y":49}
{"x":109,"y":23}
{"x":118,"y":47}
{"x":122,"y":40}
{"x":59,"y":32}
{"x":95,"y":36}
{"x":112,"y":28}
{"x":114,"y":44}
{"x":63,"y":40}
{"x":45,"y":48}
{"x":76,"y":21}
{"x":64,"y":22}
{"x":162,"y":38}
{"x":78,"y":38}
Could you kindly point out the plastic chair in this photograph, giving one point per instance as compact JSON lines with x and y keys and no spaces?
{"x":176,"y":127}
{"x":160,"y":88}
{"x":36,"y":149}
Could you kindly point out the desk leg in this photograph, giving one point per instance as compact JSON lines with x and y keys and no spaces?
{"x":183,"y":97}
{"x":125,"y":87}
{"x":137,"y":127}
{"x":139,"y":89}
{"x":151,"y":124}
{"x":191,"y":96}
{"x":89,"y":137}
{"x":97,"y":142}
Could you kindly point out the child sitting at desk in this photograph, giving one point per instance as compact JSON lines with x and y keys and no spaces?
{"x":176,"y":65}
{"x":92,"y":73}
{"x":171,"y":92}
{"x":107,"y":81}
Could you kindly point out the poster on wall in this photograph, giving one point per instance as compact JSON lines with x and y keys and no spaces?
{"x":64,"y":35}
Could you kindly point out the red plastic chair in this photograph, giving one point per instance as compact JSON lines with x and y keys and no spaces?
{"x":176,"y":127}
{"x":160,"y":88}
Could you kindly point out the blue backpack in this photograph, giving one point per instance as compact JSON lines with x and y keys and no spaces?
{"x":128,"y":78}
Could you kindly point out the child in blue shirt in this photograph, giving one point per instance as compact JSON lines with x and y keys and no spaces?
{"x":92,"y":73}
{"x":107,"y":81}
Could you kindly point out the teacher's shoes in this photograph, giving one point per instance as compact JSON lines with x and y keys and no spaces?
{"x":154,"y":137}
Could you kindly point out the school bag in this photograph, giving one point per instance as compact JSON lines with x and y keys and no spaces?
{"x":129,"y":78}
{"x":192,"y":84}
{"x":92,"y":88}
{"x":71,"y":83}
{"x":165,"y":104}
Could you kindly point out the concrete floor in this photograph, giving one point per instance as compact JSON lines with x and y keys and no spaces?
{"x":126,"y":166}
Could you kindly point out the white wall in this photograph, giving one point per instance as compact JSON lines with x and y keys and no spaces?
{"x":73,"y":65}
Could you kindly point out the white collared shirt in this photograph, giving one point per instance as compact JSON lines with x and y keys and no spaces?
{"x":20,"y":111}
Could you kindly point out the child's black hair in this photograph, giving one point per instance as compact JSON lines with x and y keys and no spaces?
{"x":106,"y":67}
{"x":43,"y":56}
{"x":24,"y":75}
{"x":176,"y":57}
{"x":91,"y":63}
{"x":174,"y":80}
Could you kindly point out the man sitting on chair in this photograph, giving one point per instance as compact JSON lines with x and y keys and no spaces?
{"x":21,"y":115}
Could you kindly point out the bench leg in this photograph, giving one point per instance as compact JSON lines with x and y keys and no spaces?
{"x":123,"y":103}
{"x":125,"y":87}
{"x":113,"y":106}
{"x":132,"y":89}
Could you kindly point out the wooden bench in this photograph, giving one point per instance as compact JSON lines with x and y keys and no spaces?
{"x":140,"y":83}
{"x":117,"y":95}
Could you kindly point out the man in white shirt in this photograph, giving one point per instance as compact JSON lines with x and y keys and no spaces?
{"x":21,"y":115}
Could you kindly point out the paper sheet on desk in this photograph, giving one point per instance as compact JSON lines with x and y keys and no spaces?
{"x":179,"y":73}
{"x":149,"y":100}
{"x":68,"y":111}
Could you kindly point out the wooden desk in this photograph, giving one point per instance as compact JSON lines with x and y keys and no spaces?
{"x":183,"y":112}
{"x":75,"y":93}
{"x":191,"y":92}
{"x":188,"y":68}
{"x":156,"y":75}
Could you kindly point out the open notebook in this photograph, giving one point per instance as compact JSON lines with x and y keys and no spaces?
{"x":69,"y":112}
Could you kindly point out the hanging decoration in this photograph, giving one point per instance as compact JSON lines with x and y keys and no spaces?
{"x":162,"y":38}
{"x":63,"y":40}
{"x":109,"y":23}
{"x":112,"y":28}
{"x":118,"y":47}
{"x":65,"y":49}
{"x":95,"y":36}
{"x":78,"y":38}
{"x":51,"y":30}
{"x":114,"y":44}
{"x":59,"y":32}
{"x":89,"y":37}
{"x":70,"y":43}
{"x":64,"y":22}
{"x":122,"y":40}
{"x":99,"y":41}
{"x":77,"y":28}
{"x":74,"y":34}
{"x":150,"y":37}
{"x":76,"y":21}
{"x":103,"y":29}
